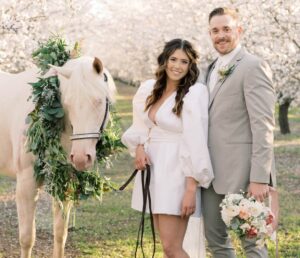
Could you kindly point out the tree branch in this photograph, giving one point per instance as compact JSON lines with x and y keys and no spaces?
{"x":285,"y":30}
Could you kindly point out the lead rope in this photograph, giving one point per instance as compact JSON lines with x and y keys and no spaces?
{"x":146,"y":195}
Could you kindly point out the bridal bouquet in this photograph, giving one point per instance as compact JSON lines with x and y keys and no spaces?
{"x":247,"y":217}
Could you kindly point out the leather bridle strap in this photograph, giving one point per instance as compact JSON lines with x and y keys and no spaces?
{"x":146,"y":199}
{"x":81,"y":136}
{"x":105,"y":116}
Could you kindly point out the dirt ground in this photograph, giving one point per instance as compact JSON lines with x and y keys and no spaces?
{"x":9,"y":243}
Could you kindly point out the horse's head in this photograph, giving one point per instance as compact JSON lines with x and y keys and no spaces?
{"x":86,"y":87}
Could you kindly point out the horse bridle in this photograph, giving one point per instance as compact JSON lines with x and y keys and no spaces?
{"x":81,"y":136}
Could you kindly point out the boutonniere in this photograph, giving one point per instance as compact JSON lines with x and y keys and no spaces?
{"x":225,"y":71}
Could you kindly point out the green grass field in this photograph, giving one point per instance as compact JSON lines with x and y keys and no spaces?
{"x":109,"y":229}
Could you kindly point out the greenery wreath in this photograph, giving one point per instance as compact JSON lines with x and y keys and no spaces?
{"x":60,"y":178}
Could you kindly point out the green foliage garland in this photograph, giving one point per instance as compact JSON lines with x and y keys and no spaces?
{"x":46,"y":123}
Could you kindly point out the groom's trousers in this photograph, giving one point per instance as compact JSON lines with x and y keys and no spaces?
{"x":216,"y":233}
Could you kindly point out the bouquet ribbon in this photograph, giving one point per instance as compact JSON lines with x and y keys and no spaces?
{"x":146,"y":199}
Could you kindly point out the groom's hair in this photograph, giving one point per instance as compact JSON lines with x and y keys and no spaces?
{"x":223,"y":11}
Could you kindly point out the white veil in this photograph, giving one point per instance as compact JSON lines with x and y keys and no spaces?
{"x":194,"y":240}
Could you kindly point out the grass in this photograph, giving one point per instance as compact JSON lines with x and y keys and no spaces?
{"x":117,"y":223}
{"x":109,"y":229}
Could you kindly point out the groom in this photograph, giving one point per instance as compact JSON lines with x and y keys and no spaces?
{"x":241,"y":125}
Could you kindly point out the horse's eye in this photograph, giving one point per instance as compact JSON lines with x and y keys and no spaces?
{"x":105,"y":77}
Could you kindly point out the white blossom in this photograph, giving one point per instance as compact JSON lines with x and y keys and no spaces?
{"x":128,"y":35}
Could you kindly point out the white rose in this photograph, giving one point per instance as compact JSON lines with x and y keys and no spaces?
{"x":255,"y":208}
{"x":245,"y":226}
{"x":226,"y":218}
{"x":260,"y":225}
{"x":235,"y":197}
{"x":263,"y":228}
{"x":245,"y":203}
{"x":233,"y":210}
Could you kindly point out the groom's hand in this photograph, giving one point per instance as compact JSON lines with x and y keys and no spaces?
{"x":259,"y":191}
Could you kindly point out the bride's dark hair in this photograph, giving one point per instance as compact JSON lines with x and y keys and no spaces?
{"x":161,"y":76}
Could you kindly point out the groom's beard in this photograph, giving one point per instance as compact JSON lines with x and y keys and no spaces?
{"x":225,"y":45}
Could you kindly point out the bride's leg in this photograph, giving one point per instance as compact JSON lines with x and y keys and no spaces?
{"x":156,"y":223}
{"x":171,"y":230}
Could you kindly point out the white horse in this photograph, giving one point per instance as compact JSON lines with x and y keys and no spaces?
{"x":84,"y":86}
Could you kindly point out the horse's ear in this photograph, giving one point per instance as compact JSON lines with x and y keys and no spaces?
{"x":97,"y":64}
{"x":62,"y":71}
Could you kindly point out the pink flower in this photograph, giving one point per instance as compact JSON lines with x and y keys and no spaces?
{"x":244,"y":214}
{"x":270,"y":219}
{"x":252,"y":232}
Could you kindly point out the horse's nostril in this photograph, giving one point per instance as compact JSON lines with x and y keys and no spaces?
{"x":72,"y":157}
{"x":89,"y":158}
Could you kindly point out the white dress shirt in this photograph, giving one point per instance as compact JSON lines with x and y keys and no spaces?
{"x":222,"y":61}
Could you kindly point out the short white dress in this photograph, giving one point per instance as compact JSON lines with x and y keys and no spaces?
{"x":176,"y":146}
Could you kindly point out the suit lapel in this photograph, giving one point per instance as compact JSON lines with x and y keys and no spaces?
{"x":234,"y":62}
{"x":208,"y":73}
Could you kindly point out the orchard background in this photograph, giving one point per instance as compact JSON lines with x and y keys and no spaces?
{"x":127,"y":36}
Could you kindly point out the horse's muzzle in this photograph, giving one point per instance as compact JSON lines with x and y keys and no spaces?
{"x":81,"y":162}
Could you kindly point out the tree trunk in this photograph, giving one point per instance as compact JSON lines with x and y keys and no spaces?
{"x":283,"y":118}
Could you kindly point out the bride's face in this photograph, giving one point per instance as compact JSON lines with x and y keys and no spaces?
{"x":225,"y":33}
{"x":177,"y":65}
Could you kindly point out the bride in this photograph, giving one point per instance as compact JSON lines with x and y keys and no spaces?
{"x":169,"y":132}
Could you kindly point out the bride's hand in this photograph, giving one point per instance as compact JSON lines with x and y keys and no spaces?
{"x":189,"y":199}
{"x":141,"y":158}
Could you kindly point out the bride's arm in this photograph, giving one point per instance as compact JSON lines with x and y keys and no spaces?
{"x":137,"y":133}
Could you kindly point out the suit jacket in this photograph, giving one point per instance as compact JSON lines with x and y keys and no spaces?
{"x":241,"y":125}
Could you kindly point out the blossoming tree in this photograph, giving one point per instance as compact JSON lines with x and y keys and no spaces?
{"x":24,"y":23}
{"x":129,"y":34}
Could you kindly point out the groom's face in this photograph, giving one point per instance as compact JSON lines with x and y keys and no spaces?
{"x":224,"y":32}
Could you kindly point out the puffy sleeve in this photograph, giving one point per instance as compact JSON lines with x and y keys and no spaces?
{"x":138,"y":132}
{"x":194,"y":156}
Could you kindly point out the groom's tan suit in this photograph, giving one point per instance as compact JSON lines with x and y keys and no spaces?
{"x":241,"y":124}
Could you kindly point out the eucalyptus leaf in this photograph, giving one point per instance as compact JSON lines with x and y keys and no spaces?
{"x":48,"y":117}
{"x":53,"y":55}
{"x":53,"y":111}
{"x":60,"y":113}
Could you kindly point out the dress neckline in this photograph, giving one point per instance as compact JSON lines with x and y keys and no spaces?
{"x":159,"y":108}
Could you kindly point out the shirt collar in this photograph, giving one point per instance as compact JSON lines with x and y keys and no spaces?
{"x":225,"y":59}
